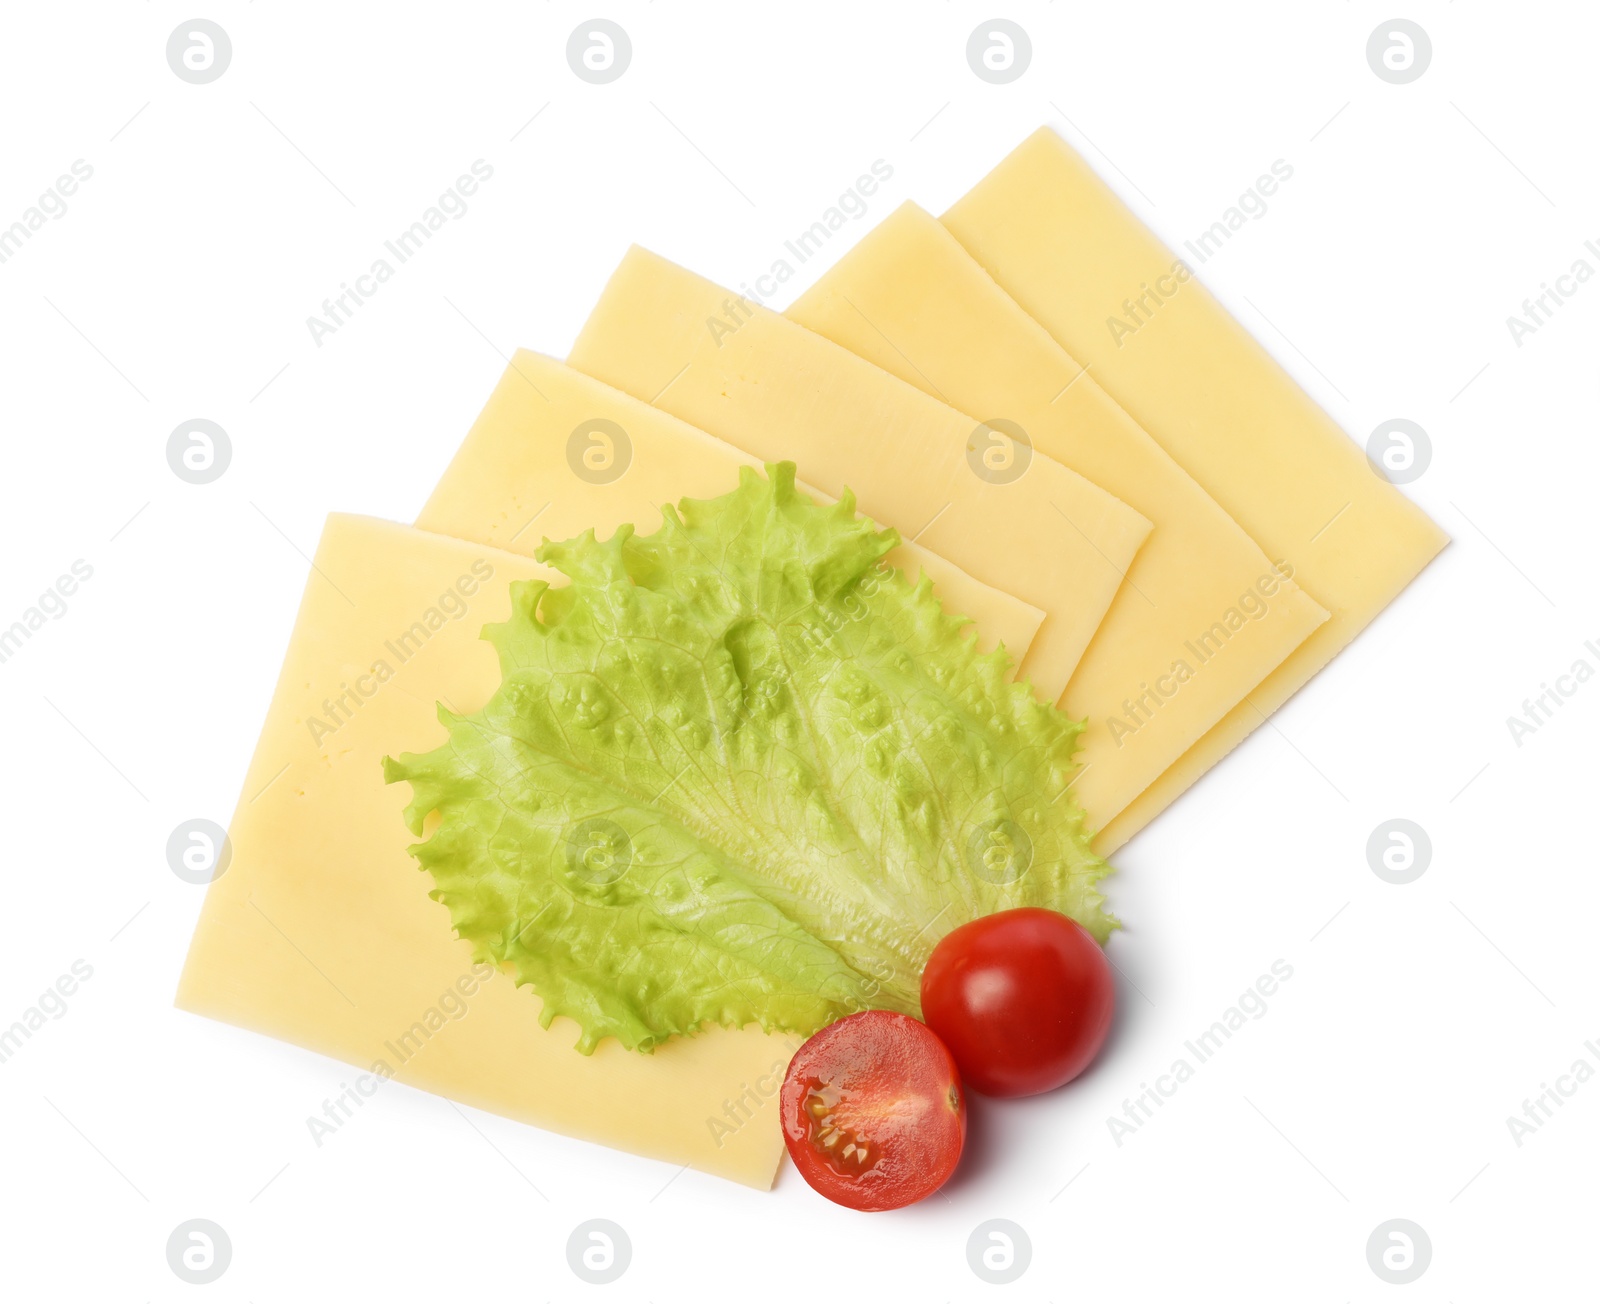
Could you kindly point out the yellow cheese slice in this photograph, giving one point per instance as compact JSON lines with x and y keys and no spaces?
{"x":321,"y":932}
{"x":778,"y":391}
{"x":555,"y":452}
{"x":1203,"y":616}
{"x":1056,"y":239}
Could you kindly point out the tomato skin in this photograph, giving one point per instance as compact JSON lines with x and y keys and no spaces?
{"x":1022,"y":998}
{"x":881,"y":1083}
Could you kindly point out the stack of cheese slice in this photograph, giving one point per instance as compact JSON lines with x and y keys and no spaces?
{"x":1163,"y":530}
{"x":321,"y":930}
{"x":1066,"y":250}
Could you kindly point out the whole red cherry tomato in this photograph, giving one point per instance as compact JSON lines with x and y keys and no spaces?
{"x":1022,"y":998}
{"x":873,"y":1113}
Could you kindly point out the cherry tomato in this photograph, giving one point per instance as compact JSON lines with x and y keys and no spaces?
{"x":1022,"y":998}
{"x":873,"y":1113}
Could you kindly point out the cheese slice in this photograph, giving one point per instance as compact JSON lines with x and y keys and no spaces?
{"x":1029,"y":527}
{"x":1056,"y":239}
{"x":555,"y":452}
{"x":1203,"y":616}
{"x":321,"y":932}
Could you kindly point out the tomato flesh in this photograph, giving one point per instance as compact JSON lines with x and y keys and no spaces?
{"x":873,"y":1114}
{"x":1022,"y":998}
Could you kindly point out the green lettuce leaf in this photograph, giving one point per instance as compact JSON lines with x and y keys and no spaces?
{"x":742,"y":771}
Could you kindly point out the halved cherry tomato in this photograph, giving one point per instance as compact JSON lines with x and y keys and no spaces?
{"x":873,"y":1113}
{"x":1022,"y":998}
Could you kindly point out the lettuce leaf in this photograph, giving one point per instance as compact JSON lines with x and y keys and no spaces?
{"x":742,"y":771}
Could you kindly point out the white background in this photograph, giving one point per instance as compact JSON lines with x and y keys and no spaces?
{"x":178,"y":285}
